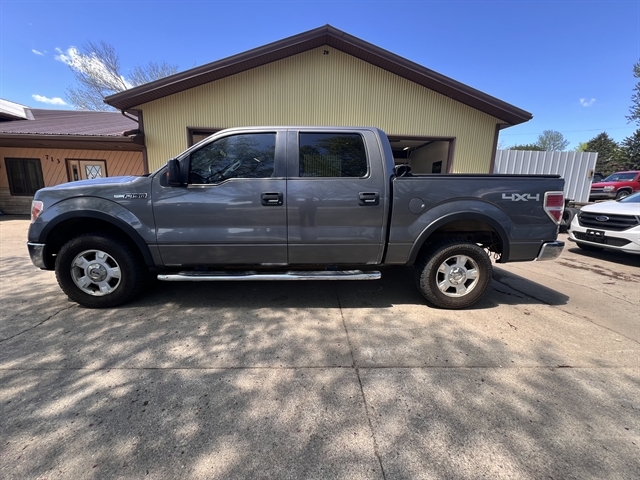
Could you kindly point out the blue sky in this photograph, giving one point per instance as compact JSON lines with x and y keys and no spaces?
{"x":567,"y":62}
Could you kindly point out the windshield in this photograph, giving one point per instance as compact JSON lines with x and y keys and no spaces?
{"x":635,"y":198}
{"x":620,"y":177}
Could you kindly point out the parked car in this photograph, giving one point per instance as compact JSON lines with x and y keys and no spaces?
{"x":617,"y":185}
{"x":291,"y":203}
{"x":612,"y":225}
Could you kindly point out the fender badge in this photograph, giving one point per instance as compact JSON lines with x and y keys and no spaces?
{"x":130,"y":196}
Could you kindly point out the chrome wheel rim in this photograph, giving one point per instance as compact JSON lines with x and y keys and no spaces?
{"x":457,"y":276}
{"x":95,"y":272}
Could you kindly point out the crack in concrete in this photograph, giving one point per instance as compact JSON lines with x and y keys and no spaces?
{"x":37,"y":325}
{"x":376,"y":449}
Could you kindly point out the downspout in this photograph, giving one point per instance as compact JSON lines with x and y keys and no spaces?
{"x":138,"y":120}
{"x":130,"y":118}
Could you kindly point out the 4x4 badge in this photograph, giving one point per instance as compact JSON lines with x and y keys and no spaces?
{"x":518,"y":197}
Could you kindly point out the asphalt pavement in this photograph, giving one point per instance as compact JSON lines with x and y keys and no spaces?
{"x":344,"y":380}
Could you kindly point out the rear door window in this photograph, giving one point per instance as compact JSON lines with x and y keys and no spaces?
{"x":332,"y":155}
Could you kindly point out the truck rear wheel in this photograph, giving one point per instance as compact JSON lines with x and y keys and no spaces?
{"x":99,"y":271}
{"x":453,"y":273}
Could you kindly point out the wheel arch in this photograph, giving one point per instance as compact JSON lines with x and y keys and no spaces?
{"x":68,"y":225}
{"x":451,"y":225}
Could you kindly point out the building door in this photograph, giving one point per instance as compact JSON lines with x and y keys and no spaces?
{"x":86,"y":169}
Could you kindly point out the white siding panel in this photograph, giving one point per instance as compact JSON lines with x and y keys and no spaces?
{"x":575,"y":167}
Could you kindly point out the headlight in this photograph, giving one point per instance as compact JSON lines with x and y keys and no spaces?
{"x":36,"y":209}
{"x":608,"y":189}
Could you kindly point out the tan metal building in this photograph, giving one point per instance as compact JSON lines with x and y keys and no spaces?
{"x":325,"y":77}
{"x":41,"y":148}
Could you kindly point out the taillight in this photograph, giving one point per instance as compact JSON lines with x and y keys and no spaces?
{"x":36,"y":209}
{"x":554,"y":205}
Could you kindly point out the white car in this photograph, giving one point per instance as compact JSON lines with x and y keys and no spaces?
{"x":613,"y":225}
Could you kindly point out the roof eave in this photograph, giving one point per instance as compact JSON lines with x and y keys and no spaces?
{"x":94,"y":142}
{"x":326,"y":35}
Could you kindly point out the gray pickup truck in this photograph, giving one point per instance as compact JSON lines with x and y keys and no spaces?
{"x":291,"y":203}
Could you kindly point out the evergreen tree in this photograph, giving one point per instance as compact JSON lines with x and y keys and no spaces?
{"x":527,"y":146}
{"x":629,"y":153}
{"x":608,"y":153}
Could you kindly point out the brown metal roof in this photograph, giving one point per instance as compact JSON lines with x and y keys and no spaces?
{"x":70,"y":122}
{"x":311,"y":39}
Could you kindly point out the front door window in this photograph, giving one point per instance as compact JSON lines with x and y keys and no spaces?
{"x":237,"y":156}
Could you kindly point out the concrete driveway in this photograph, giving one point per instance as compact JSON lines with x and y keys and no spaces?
{"x":349,"y":380}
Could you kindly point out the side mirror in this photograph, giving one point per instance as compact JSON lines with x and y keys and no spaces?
{"x":173,"y":173}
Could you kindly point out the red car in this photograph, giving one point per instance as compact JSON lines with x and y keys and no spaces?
{"x":616,"y":185}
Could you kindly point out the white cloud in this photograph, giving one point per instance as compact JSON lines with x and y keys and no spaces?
{"x":587,"y":102}
{"x":92,"y":66}
{"x":50,"y":101}
{"x":37,"y":52}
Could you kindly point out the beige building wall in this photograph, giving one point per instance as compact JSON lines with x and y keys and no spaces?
{"x":54,"y":169}
{"x":314,"y":88}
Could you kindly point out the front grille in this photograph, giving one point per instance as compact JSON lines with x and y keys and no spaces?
{"x":617,"y":223}
{"x":597,"y":190}
{"x":615,"y":242}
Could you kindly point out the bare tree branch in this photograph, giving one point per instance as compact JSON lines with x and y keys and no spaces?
{"x":98,"y":74}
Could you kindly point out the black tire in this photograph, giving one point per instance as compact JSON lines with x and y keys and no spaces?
{"x":567,"y":218}
{"x":464,"y":291}
{"x":622,"y":194}
{"x":589,"y":248}
{"x":99,"y":271}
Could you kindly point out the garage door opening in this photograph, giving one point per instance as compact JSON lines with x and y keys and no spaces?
{"x":425,"y":155}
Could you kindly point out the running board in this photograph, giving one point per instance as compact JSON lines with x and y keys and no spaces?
{"x":253,"y":276}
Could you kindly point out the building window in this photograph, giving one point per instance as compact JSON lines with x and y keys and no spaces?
{"x":25,"y":175}
{"x":332,"y":155}
{"x":195,"y":135}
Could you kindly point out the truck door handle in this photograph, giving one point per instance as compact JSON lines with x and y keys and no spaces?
{"x":368,"y":198}
{"x":271,"y":199}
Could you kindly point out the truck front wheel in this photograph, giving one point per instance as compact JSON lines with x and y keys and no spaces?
{"x":622,"y":194}
{"x":99,"y":271}
{"x":453,"y":273}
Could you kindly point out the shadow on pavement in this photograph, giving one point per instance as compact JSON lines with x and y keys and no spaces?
{"x":261,"y":381}
{"x":521,"y":290}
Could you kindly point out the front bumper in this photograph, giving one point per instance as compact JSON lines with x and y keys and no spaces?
{"x":627,"y":241}
{"x":602,"y":195}
{"x":36,"y":252}
{"x":550,"y":251}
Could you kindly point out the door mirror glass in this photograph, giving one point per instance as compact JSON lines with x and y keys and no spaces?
{"x":173,"y":173}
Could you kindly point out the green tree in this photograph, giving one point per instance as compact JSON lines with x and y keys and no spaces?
{"x":608,"y":153}
{"x":582,"y":147}
{"x":634,"y":110}
{"x":552,"y":141}
{"x":96,"y":68}
{"x":629,"y":152}
{"x":527,"y":146}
